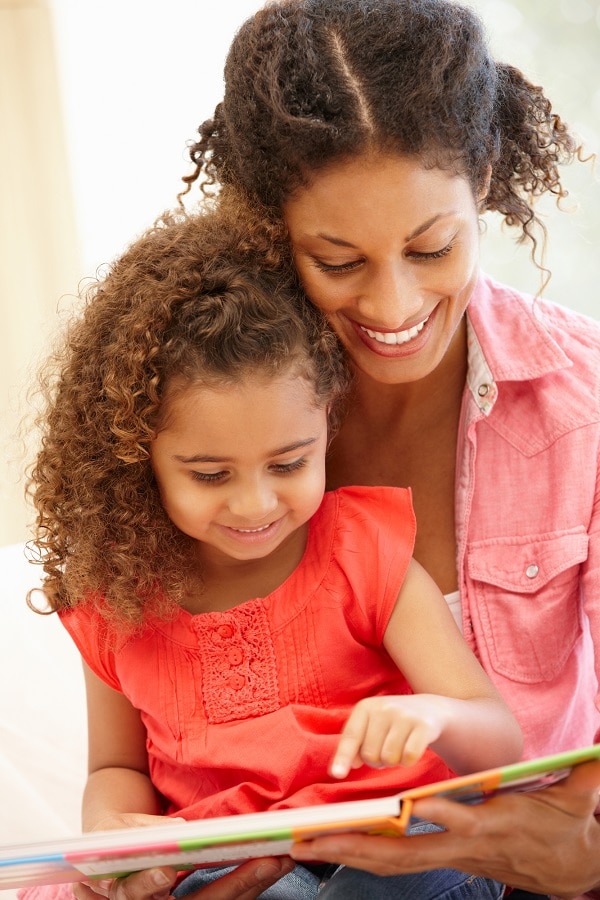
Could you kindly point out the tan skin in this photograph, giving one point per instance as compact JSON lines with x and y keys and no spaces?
{"x":381,"y":243}
{"x":408,"y":408}
{"x":397,"y":432}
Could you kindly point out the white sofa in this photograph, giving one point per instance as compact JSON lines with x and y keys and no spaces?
{"x":42,"y":715}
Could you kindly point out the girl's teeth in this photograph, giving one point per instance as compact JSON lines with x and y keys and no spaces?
{"x":251,"y":530}
{"x":395,"y":337}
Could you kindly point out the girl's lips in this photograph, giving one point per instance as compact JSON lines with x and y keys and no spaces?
{"x":258,"y":535}
{"x":403,"y":342}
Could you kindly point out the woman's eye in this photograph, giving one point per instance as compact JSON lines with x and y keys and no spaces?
{"x":286,"y":468}
{"x":434,"y":254}
{"x":337,"y":269}
{"x":209,"y":477}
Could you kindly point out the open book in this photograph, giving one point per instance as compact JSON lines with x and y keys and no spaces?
{"x":210,"y":842}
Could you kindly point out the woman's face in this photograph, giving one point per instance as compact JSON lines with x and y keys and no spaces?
{"x":389,"y":251}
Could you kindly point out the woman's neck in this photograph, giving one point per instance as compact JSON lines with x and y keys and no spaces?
{"x":413,"y":407}
{"x":406,"y":436}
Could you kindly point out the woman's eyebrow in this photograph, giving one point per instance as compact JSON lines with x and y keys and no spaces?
{"x":421,"y":228}
{"x":340,"y":242}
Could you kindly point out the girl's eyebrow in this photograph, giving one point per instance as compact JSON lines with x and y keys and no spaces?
{"x":202,"y":458}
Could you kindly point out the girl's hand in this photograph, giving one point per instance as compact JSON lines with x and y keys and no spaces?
{"x":388,"y":731}
{"x":546,"y":841}
{"x":246,"y":882}
{"x":155,"y":882}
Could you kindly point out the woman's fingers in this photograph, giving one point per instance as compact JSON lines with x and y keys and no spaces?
{"x":247,"y":881}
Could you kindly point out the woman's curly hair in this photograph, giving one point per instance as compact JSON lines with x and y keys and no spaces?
{"x":309,"y":82}
{"x":205,"y":297}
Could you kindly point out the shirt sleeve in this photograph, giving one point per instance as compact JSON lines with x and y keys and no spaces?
{"x":95,"y":640}
{"x":375,"y":536}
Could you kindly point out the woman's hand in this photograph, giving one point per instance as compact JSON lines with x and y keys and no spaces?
{"x":547,"y":841}
{"x":246,"y":882}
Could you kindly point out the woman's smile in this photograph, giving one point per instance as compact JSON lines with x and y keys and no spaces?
{"x":389,"y":250}
{"x":395,"y":337}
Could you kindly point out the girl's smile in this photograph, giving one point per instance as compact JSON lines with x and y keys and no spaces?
{"x":241,"y":467}
{"x":260,"y":535}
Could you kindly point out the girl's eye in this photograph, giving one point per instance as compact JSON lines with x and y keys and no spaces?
{"x":286,"y":468}
{"x":209,"y":477}
{"x":435,"y":254}
{"x":339,"y":269}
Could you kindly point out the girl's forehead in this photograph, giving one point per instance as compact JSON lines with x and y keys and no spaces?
{"x":258,"y":385}
{"x":235,"y":420}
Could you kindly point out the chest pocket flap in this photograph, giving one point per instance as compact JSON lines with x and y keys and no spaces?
{"x":527,"y":600}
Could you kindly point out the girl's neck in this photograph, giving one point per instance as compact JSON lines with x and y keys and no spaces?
{"x":218,"y":582}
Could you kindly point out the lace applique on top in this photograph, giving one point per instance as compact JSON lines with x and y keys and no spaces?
{"x":237,"y":659}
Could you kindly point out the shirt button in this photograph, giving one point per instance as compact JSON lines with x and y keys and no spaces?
{"x":221,"y":633}
{"x":532,"y":571}
{"x":235,"y":656}
{"x":236,"y":682}
{"x":483,"y":389}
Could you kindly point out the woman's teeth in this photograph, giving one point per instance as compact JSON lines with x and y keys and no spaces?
{"x":395,"y":337}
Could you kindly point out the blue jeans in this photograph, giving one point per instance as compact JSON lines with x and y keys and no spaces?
{"x":354,"y":884}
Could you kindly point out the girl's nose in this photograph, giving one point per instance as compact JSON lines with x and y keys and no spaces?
{"x":253,"y":501}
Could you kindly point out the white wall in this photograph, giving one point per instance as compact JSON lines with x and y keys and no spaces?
{"x":137,"y":78}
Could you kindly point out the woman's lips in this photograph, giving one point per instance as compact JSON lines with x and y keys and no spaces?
{"x":396,"y":343}
{"x":395,"y":337}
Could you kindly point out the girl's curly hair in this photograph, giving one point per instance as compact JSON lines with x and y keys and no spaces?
{"x":206,"y":296}
{"x":309,"y":82}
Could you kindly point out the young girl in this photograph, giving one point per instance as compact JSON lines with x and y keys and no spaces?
{"x":249,"y":641}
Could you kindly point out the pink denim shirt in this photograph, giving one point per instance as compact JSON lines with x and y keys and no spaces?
{"x":528,"y":511}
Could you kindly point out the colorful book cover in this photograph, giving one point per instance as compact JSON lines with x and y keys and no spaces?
{"x":210,"y":842}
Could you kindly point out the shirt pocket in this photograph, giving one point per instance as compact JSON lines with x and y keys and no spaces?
{"x":527,"y":601}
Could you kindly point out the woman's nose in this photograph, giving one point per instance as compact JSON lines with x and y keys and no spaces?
{"x":253,"y":500}
{"x":390,"y":295}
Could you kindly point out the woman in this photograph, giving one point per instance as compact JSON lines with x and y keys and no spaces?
{"x":379,"y":131}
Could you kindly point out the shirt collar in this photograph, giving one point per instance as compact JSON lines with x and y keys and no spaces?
{"x":517,"y":345}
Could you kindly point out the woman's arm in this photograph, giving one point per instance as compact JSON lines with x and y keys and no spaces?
{"x":547,"y":841}
{"x":455,"y":709}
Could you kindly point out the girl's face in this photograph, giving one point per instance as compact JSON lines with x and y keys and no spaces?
{"x":241,"y":468}
{"x":389,"y":251}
